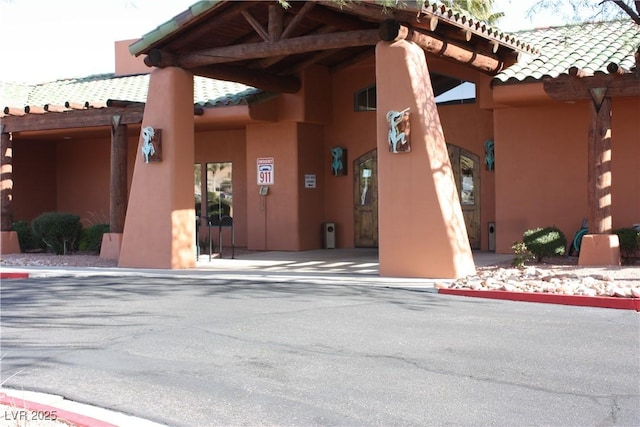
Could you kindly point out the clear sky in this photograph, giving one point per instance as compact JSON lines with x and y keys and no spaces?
{"x":44,"y":40}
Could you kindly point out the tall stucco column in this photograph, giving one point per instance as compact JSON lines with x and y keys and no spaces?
{"x":159,"y":228}
{"x":421,"y":227}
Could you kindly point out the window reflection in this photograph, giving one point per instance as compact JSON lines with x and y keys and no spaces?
{"x":219,"y":189}
{"x":467,"y":192}
{"x":365,"y":182}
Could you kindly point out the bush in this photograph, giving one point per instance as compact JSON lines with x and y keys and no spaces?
{"x":629,"y":243}
{"x":25,"y":236}
{"x":521,"y":253}
{"x":59,"y":231}
{"x":545,"y":242}
{"x":91,"y":238}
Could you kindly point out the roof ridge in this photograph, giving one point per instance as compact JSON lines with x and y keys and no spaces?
{"x":571,"y":25}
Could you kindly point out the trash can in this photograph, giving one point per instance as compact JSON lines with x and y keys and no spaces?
{"x":492,"y":236}
{"x":329,"y":235}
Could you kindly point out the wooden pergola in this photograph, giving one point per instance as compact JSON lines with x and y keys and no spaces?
{"x":264,"y":45}
{"x":115,"y":115}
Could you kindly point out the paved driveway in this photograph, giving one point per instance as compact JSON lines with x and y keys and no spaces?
{"x":303,"y":351}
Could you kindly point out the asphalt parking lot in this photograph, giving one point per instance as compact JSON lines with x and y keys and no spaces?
{"x":291,"y":350}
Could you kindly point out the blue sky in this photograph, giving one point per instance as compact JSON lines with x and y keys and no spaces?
{"x":44,"y":40}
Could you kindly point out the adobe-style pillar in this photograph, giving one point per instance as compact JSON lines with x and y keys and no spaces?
{"x":599,"y":247}
{"x":112,"y":241}
{"x":421,"y":227}
{"x":159,"y":229}
{"x":8,"y":239}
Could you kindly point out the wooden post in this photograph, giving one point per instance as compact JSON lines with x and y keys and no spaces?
{"x":118,"y":183}
{"x":6,"y":156}
{"x":599,"y":163}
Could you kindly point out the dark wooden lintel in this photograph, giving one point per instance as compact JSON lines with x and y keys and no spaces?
{"x":569,"y":88}
{"x":71,"y":119}
{"x":240,"y":52}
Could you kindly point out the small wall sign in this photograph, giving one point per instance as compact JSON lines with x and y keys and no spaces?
{"x":266,"y":170}
{"x":310,"y":181}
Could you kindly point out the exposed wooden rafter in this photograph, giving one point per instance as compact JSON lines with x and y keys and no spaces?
{"x":220,"y":19}
{"x":391,"y":30}
{"x":256,"y":26}
{"x":255,"y":78}
{"x":304,"y":44}
{"x":72,"y":119}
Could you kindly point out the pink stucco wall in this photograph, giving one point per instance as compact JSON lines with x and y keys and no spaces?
{"x":35,"y":184}
{"x":541,"y":168}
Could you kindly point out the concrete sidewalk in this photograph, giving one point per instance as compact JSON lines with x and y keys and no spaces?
{"x":331,"y":264}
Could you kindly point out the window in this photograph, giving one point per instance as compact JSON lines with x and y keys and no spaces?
{"x":365,"y":99}
{"x":219,"y":190}
{"x":467,"y":192}
{"x":218,"y":200}
{"x":449,"y":90}
{"x":197,"y":187}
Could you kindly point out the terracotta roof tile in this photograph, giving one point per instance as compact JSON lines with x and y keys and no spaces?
{"x":590,"y":46}
{"x":98,"y":89}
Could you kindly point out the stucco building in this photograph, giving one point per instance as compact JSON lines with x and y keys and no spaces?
{"x":314,"y":78}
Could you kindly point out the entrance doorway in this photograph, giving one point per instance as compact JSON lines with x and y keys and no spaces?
{"x":466,"y":172}
{"x":365,"y":200}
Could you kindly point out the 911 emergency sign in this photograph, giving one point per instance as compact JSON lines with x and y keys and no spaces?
{"x":265,"y":170}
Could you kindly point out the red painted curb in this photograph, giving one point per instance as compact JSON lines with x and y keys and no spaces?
{"x":579,"y":300}
{"x":13,"y":275}
{"x":47,"y":412}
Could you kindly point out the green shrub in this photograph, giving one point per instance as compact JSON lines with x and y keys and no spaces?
{"x":91,"y":238}
{"x":521,"y":253}
{"x":25,"y":236}
{"x":59,"y":231}
{"x":545,"y":242}
{"x":629,"y":243}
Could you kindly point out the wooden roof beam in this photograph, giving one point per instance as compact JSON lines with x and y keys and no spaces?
{"x":276,"y":22}
{"x":220,"y":18}
{"x":573,"y":88}
{"x":255,"y":78}
{"x":295,"y":22}
{"x":72,"y":119}
{"x":391,"y":30}
{"x":337,"y":20}
{"x":256,"y":26}
{"x":304,"y":44}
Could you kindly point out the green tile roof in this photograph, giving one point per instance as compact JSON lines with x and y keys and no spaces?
{"x":590,"y":46}
{"x":100,"y":88}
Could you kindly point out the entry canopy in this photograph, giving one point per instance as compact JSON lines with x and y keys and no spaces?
{"x":265,"y":44}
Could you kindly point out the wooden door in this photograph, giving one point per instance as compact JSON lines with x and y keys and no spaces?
{"x":365,"y":198}
{"x":466,"y":171}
